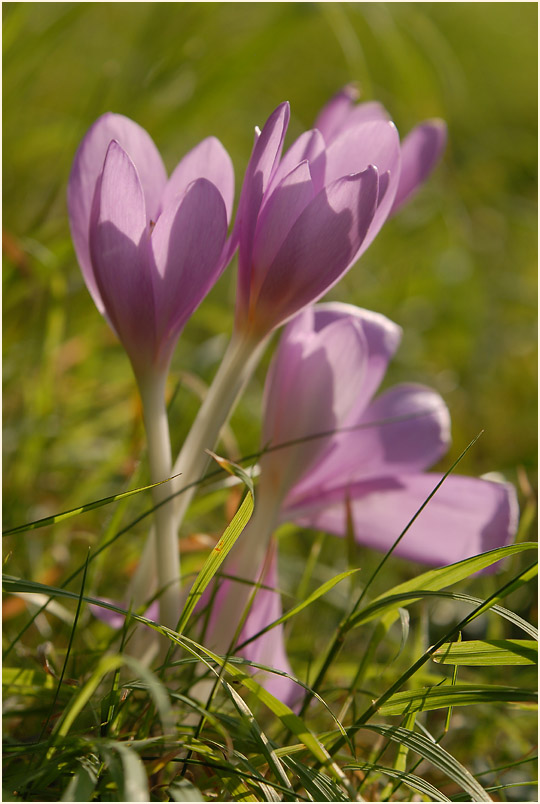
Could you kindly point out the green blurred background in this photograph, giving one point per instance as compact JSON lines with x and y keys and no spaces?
{"x":456,"y":268}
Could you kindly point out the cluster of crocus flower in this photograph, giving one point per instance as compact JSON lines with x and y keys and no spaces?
{"x":151,"y":247}
{"x":335,"y":455}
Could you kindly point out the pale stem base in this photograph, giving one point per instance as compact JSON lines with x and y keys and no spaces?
{"x":235,"y":370}
{"x":166,"y":553}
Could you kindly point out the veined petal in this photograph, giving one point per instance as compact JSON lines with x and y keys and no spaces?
{"x":346,"y":451}
{"x":318,"y":249}
{"x":264,"y":158}
{"x":371,"y":143}
{"x":420,"y":151}
{"x":87,"y":167}
{"x":341,"y":112}
{"x":332,"y":116}
{"x":310,"y":390}
{"x":187,"y":244}
{"x":465,"y":517}
{"x":122,"y":274}
{"x":405,"y":429}
{"x":408,"y":429}
{"x":382,"y":338}
{"x":276,"y":218}
{"x":309,"y":146}
{"x":208,"y":160}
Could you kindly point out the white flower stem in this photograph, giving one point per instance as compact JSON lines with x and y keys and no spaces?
{"x":235,"y":370}
{"x":167,"y":555}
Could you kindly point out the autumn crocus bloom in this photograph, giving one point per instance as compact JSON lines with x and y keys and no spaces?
{"x":352,"y":453}
{"x":378,"y":461}
{"x":150,"y":248}
{"x":305,"y":217}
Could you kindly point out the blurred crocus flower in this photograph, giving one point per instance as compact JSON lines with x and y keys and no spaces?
{"x":420,"y":150}
{"x":305,"y":217}
{"x":352,"y":454}
{"x":329,"y":364}
{"x":150,"y":248}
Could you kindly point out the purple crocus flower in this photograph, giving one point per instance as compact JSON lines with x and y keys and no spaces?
{"x":150,"y":248}
{"x":305,"y":217}
{"x":378,"y":457}
{"x":353,"y":452}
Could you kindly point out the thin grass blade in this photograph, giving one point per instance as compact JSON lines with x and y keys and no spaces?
{"x":414,"y":782}
{"x":488,"y":652}
{"x":216,"y":558}
{"x":56,"y":518}
{"x":438,"y":757}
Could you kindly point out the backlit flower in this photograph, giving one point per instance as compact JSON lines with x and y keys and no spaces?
{"x":150,"y":248}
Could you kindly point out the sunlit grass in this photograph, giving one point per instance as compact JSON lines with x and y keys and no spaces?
{"x":456,"y":269}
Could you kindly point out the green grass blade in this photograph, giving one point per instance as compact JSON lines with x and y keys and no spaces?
{"x":437,"y":756}
{"x":183,"y":790}
{"x":425,"y":699}
{"x":488,"y":652}
{"x":68,"y":717}
{"x":391,"y":603}
{"x":82,"y":784}
{"x":414,"y":782}
{"x":259,"y":737}
{"x":132,"y":783}
{"x":291,"y":721}
{"x":319,"y":592}
{"x":24,"y":681}
{"x":317,"y":784}
{"x":68,"y":651}
{"x":216,"y":558}
{"x":233,"y":469}
{"x":55,"y":518}
{"x":437,"y":579}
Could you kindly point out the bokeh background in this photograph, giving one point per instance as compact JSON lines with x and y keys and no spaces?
{"x":456,"y":268}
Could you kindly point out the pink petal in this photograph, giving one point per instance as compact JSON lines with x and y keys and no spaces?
{"x":87,"y":166}
{"x":406,"y":429}
{"x":420,"y":151}
{"x":310,"y":389}
{"x":318,"y":248}
{"x":264,"y":159}
{"x":341,"y":112}
{"x":382,"y":338}
{"x":122,"y":274}
{"x":208,"y":160}
{"x":309,"y":146}
{"x":334,"y":114}
{"x":187,"y":244}
{"x":372,"y":143}
{"x":465,"y":517}
{"x":276,"y":218}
